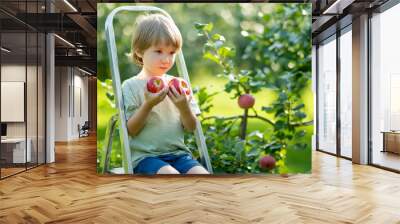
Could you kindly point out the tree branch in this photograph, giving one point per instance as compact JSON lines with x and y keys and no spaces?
{"x":306,"y":123}
{"x":254,"y":110}
{"x":262,"y":118}
{"x":222,"y":118}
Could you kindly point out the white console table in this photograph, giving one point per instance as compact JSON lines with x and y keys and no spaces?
{"x":18,"y":144}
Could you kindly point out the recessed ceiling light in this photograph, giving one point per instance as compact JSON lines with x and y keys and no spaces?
{"x":84,"y":71}
{"x":64,"y":40}
{"x":70,"y":5}
{"x":5,"y":49}
{"x":338,"y":6}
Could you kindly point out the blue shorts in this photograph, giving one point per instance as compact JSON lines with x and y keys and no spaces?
{"x":150,"y":165}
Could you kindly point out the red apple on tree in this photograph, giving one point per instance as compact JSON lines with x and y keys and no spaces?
{"x":246,"y":101}
{"x":155,"y":84}
{"x":176,"y":82}
{"x":267,"y":162}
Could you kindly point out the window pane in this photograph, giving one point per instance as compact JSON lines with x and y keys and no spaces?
{"x":327,"y":96}
{"x":386,"y":89}
{"x":345,"y":94}
{"x":31,"y":97}
{"x":14,"y":149}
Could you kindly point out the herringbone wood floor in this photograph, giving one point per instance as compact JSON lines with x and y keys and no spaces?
{"x":70,"y":191}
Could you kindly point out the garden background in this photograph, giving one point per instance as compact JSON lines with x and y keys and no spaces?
{"x":230,"y":49}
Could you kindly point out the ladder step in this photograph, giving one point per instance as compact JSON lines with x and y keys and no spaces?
{"x":118,"y":170}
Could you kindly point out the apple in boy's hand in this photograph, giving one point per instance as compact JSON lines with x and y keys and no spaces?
{"x":155,"y":84}
{"x":267,"y":162}
{"x":246,"y":101}
{"x":176,"y":82}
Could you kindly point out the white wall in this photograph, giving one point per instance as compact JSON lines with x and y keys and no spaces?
{"x":13,"y":73}
{"x":314,"y":89}
{"x":70,"y":83}
{"x":61,"y":103}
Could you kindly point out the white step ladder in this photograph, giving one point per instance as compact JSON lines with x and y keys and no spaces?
{"x":119,"y":118}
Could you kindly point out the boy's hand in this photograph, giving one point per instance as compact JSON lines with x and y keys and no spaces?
{"x":153,"y":99}
{"x":181,"y":101}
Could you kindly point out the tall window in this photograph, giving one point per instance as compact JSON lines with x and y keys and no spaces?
{"x":327,"y":95}
{"x":385,"y":88}
{"x":346,"y":92}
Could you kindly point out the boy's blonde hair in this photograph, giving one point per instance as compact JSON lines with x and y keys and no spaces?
{"x":154,"y":29}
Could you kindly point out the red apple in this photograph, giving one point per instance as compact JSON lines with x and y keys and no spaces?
{"x":180,"y":83}
{"x":246,"y":101}
{"x":155,"y":84}
{"x":267,"y":162}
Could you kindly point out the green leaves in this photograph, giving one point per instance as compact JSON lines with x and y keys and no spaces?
{"x":300,"y":115}
{"x":298,"y":107}
{"x":203,"y":28}
{"x":300,"y":134}
{"x":226,"y":52}
{"x":208,"y":27}
{"x":212,"y":57}
{"x":300,"y":146}
{"x":218,"y":37}
{"x":205,"y":99}
{"x":107,"y":84}
{"x":239,"y":149}
{"x":267,"y":109}
{"x":276,"y":57}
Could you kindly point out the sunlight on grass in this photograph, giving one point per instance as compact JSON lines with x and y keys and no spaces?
{"x":223,"y":104}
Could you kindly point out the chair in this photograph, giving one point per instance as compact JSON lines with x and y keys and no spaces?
{"x":84,"y":130}
{"x":119,"y":118}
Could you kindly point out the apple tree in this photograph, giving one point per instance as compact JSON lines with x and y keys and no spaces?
{"x":278,"y":59}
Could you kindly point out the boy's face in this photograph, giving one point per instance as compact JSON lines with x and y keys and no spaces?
{"x":157,"y":60}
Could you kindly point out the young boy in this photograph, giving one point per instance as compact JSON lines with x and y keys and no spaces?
{"x":155,"y":122}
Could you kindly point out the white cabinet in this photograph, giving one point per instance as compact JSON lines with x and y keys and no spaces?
{"x":18,"y":149}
